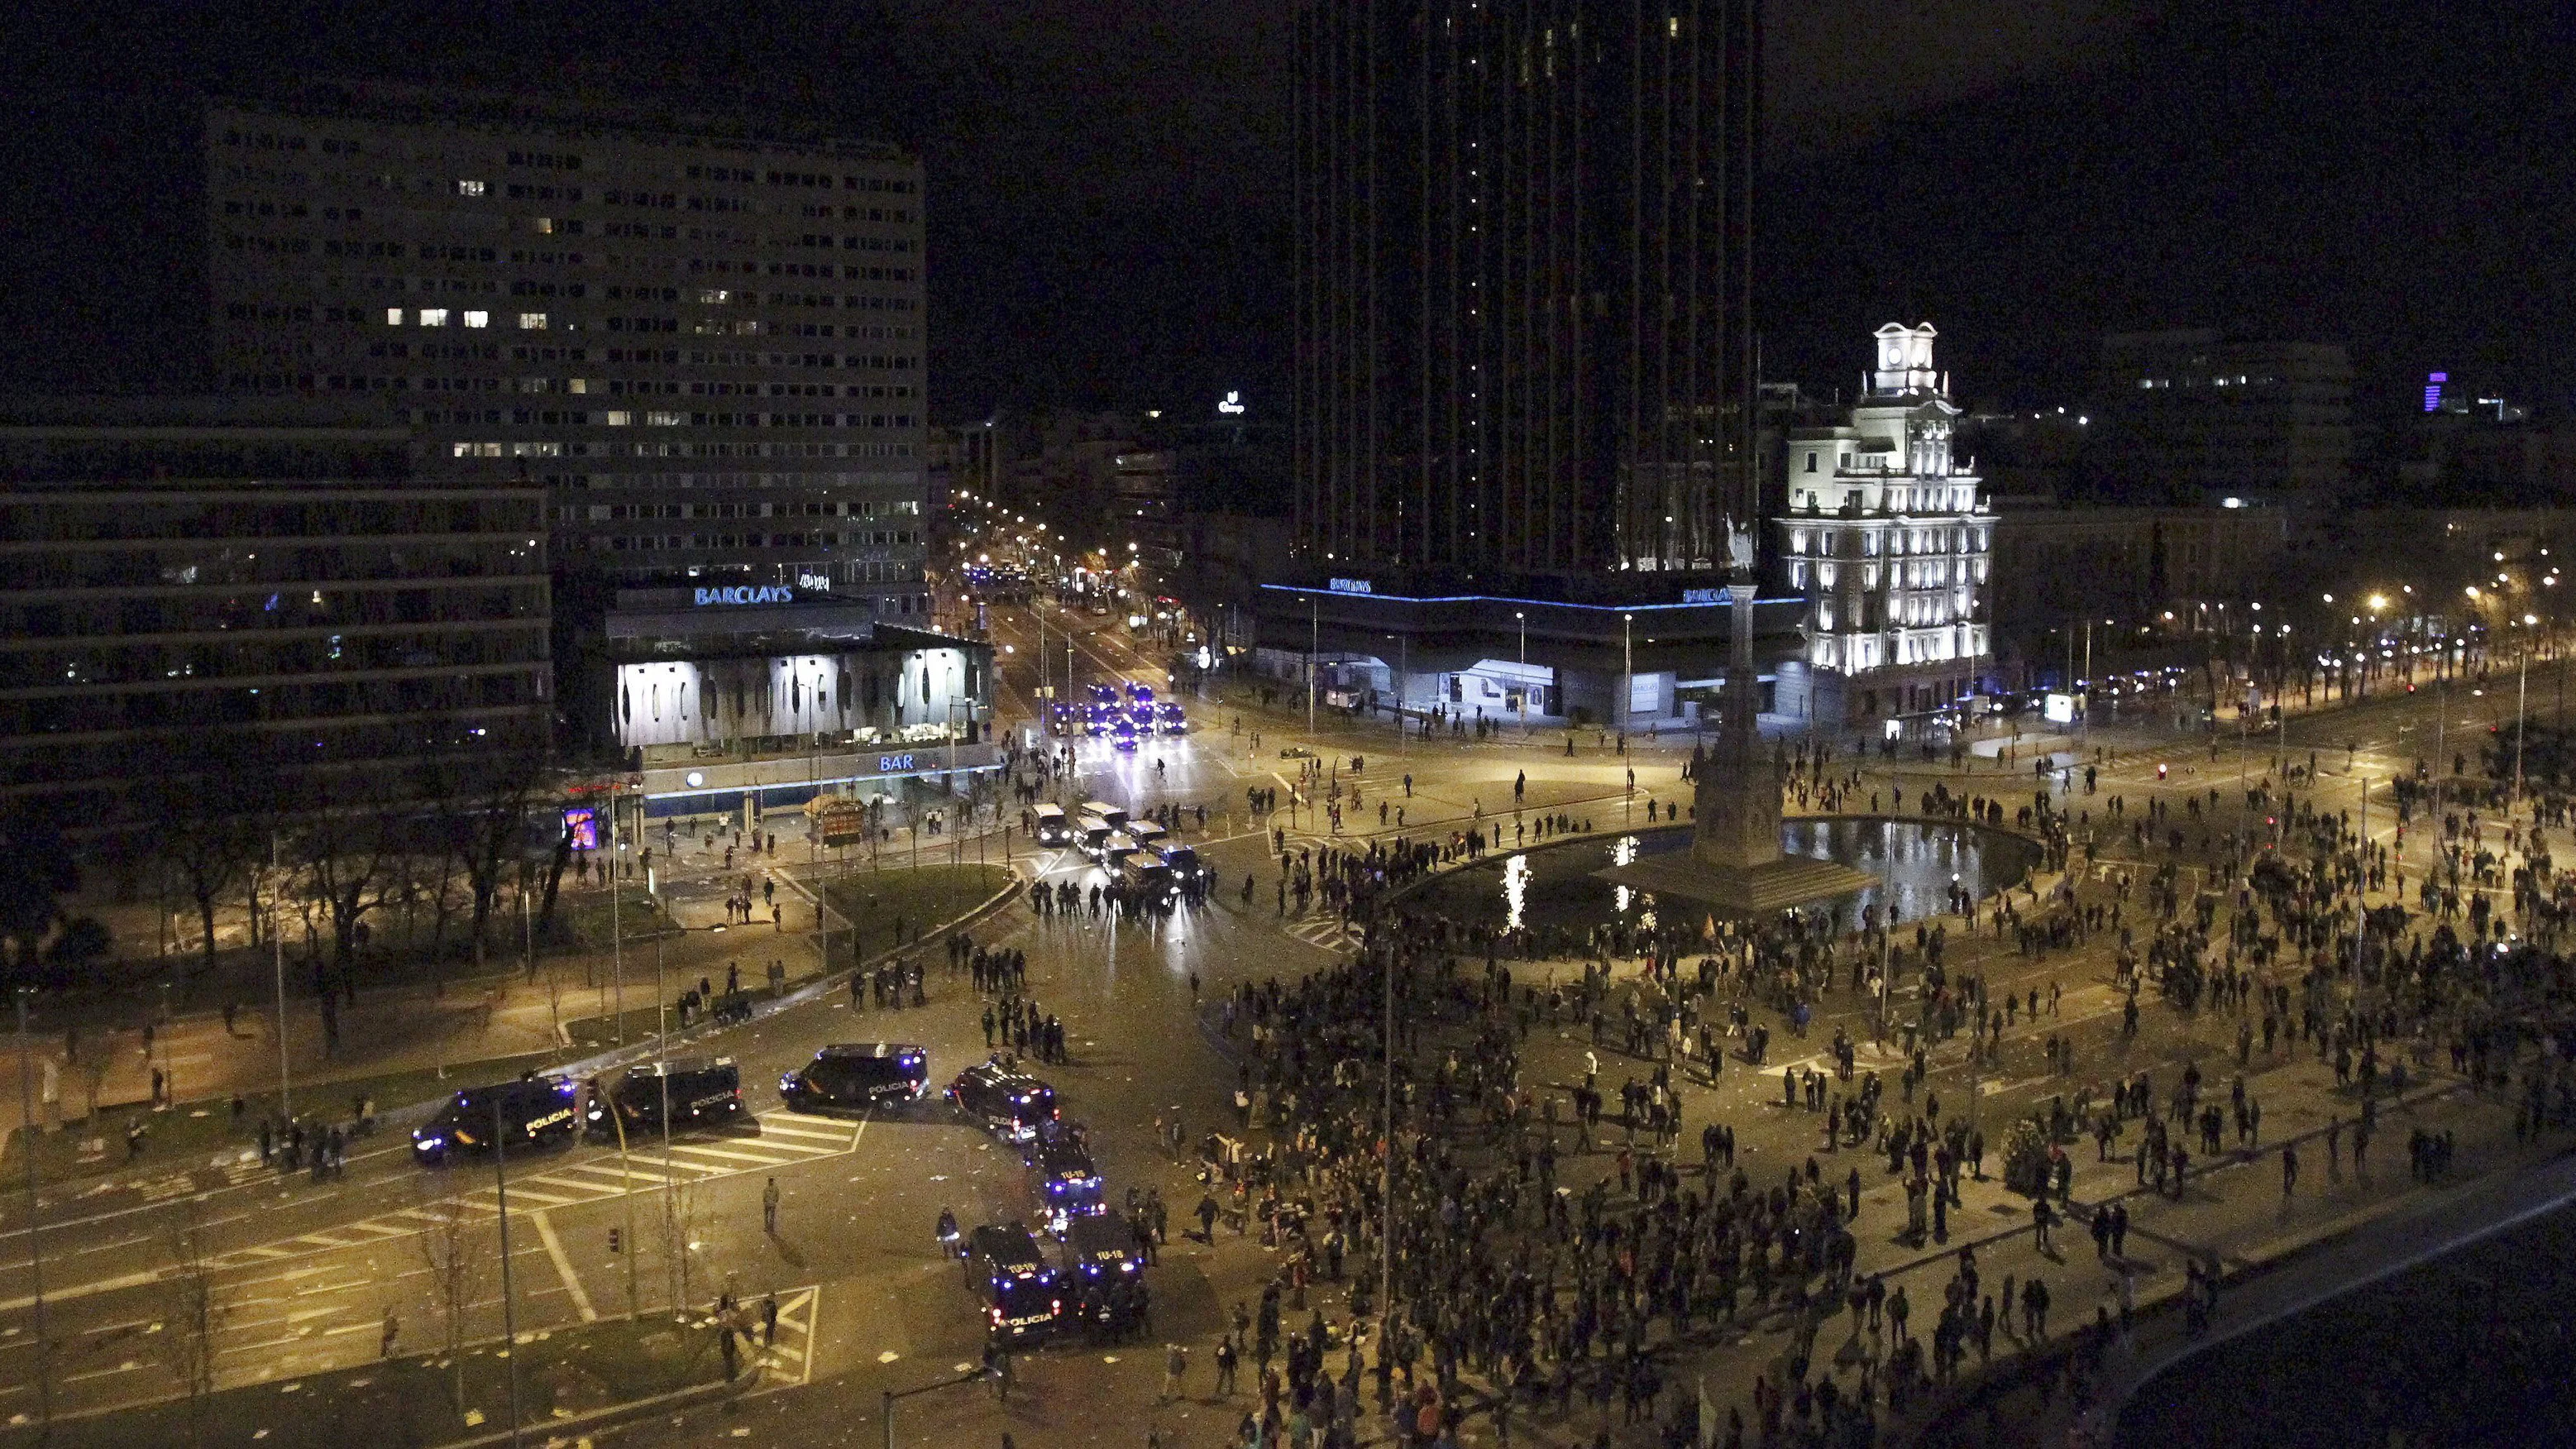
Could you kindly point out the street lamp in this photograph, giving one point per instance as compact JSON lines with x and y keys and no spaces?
{"x":1523,"y":620}
{"x":1628,"y":667}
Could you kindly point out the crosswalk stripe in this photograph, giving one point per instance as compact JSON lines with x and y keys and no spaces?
{"x":590,"y":1191}
{"x":839,"y":1136}
{"x":793,"y":1155}
{"x":707,"y":1169}
{"x":379,"y":1228}
{"x":549,"y":1199}
{"x":607,"y":1173}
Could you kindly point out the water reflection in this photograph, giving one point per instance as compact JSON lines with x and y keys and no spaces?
{"x":1915,"y":863}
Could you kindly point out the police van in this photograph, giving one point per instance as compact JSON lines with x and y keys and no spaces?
{"x":699,"y":1090}
{"x":1053,"y":828}
{"x":1116,"y":815}
{"x":531,"y":1112}
{"x":1092,"y":834}
{"x":1018,"y":1290}
{"x":1184,"y":863}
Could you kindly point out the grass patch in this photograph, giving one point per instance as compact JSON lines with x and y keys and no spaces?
{"x":918,"y":900}
{"x":427,"y":1400}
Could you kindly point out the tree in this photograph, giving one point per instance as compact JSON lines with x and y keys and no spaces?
{"x":212,"y":826}
{"x":190,"y":1317}
{"x":351,"y":847}
{"x":47,"y":944}
{"x":492,"y":821}
{"x":452,"y":1251}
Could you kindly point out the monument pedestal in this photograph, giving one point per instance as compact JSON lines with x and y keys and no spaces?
{"x":1735,"y":862}
{"x":1777,"y":885}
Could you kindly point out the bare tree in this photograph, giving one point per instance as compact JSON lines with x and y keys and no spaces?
{"x":213,"y":826}
{"x":450,"y":1247}
{"x":683,"y":1213}
{"x":190,"y":1317}
{"x":351,"y":848}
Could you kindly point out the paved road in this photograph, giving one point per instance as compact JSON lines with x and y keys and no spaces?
{"x":306,"y":1272}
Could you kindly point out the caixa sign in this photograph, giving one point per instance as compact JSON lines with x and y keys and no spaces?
{"x":1354,"y":586}
{"x":738,"y":594}
{"x":890,"y":764}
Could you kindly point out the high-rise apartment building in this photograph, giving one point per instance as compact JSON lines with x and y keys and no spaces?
{"x":199,"y":585}
{"x":1524,"y":348}
{"x":706,"y":346}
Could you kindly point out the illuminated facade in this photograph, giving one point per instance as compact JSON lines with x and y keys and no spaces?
{"x":1887,"y":537}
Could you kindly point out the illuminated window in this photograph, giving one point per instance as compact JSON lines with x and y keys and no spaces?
{"x":478,"y":319}
{"x":433,"y":316}
{"x":532,"y":321}
{"x":469,"y":188}
{"x":393,"y":316}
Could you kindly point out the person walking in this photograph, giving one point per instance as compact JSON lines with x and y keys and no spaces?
{"x":769,"y":1208}
{"x":1176,"y":1364}
{"x":1226,"y":1361}
{"x":2289,"y":1167}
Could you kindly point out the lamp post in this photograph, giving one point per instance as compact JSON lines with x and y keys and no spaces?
{"x":35,"y":1225}
{"x":1314,"y":632}
{"x":1522,"y":619}
{"x":1628,"y":668}
{"x":277,"y":948}
{"x":2521,"y":693}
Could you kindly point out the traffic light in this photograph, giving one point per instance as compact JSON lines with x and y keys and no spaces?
{"x":616,"y":1240}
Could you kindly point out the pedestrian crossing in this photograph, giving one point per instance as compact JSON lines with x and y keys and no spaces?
{"x":784,"y":1139}
{"x":1325,"y":933}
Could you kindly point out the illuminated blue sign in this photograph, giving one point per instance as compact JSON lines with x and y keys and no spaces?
{"x":1703,"y":596}
{"x":738,"y":594}
{"x":2433,"y":391}
{"x":1354,"y":586}
{"x":889,"y":764}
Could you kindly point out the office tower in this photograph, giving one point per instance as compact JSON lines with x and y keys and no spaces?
{"x":706,"y":344}
{"x":1524,"y":348}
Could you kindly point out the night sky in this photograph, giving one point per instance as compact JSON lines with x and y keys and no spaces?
{"x":1108,"y":182}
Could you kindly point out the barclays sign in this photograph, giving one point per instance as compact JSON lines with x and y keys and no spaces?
{"x":740,"y":594}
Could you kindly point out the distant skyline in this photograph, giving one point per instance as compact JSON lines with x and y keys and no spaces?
{"x":1109,"y":184}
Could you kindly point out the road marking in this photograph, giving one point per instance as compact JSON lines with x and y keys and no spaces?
{"x":800,"y":1129}
{"x":783,"y":1365}
{"x":563,"y":1267}
{"x":759,"y":1158}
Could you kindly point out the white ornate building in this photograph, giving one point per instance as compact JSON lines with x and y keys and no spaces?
{"x":1886,"y":536}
